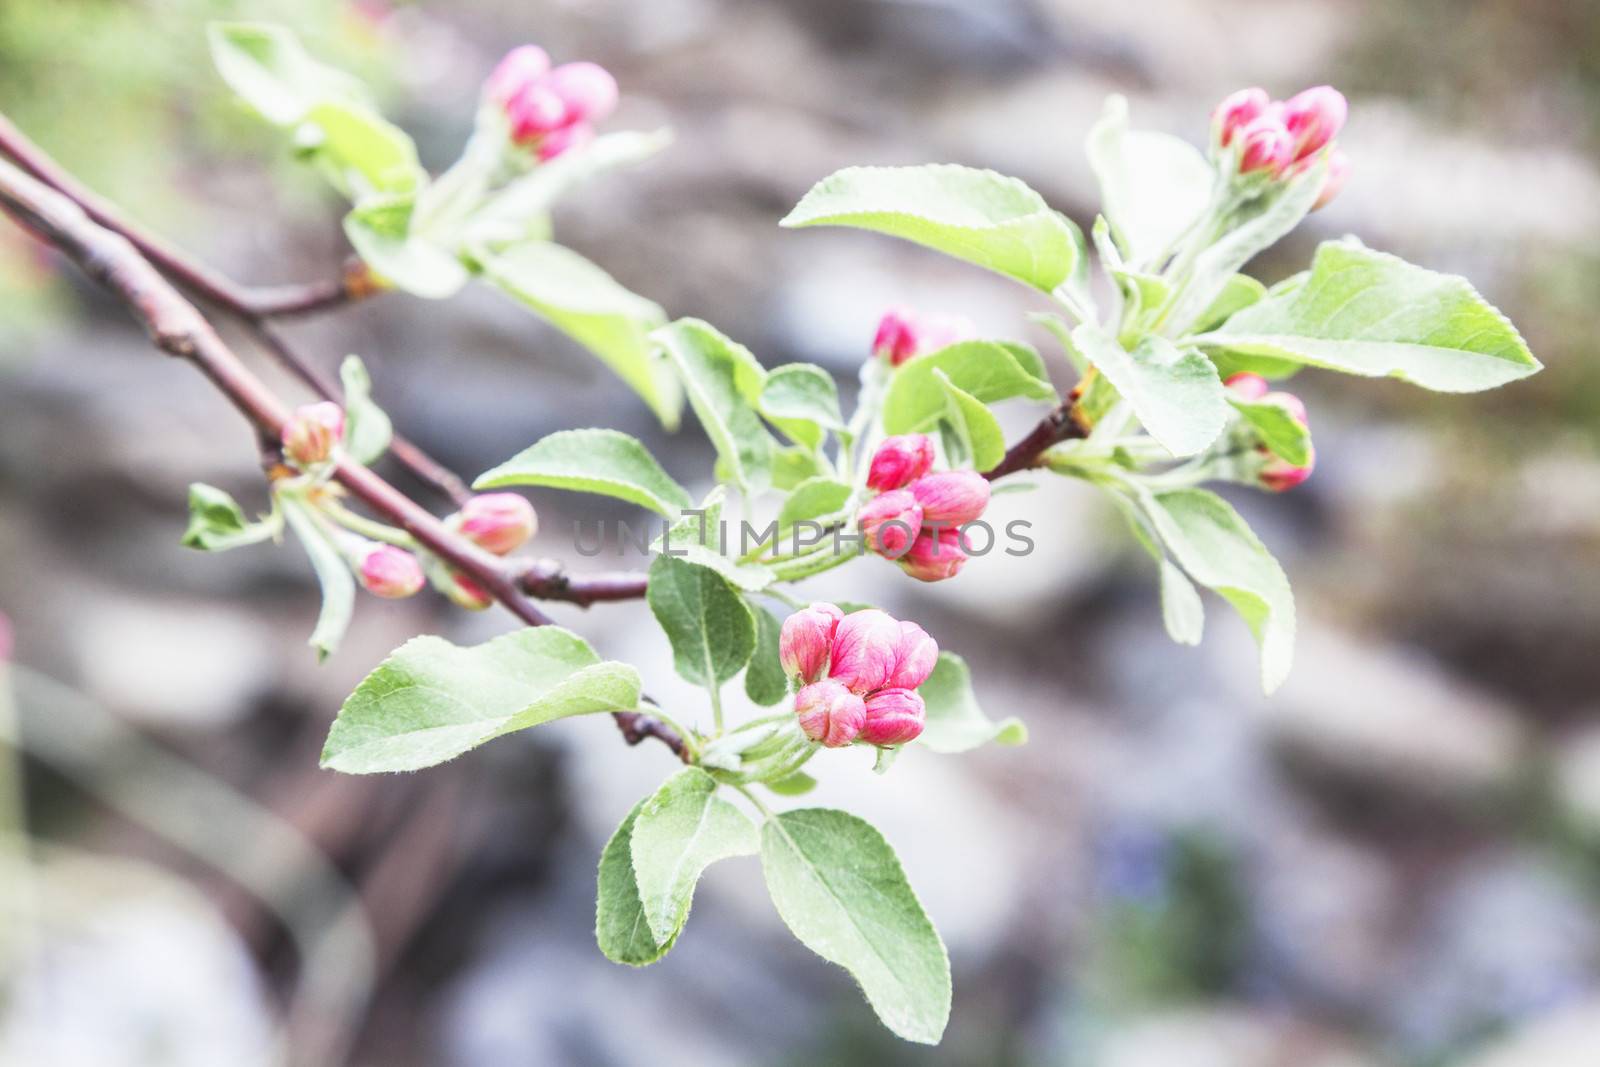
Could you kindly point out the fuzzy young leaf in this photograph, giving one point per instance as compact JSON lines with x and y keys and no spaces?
{"x":705,"y":619}
{"x":1280,"y":431}
{"x":367,"y":430}
{"x":620,"y":927}
{"x":587,"y":304}
{"x":803,"y":401}
{"x":1154,"y":186}
{"x":593,"y":461}
{"x":379,"y":229}
{"x":765,"y":682}
{"x":269,"y":68}
{"x":840,"y":888}
{"x":1181,"y":610}
{"x":333,"y":575}
{"x":814,"y":500}
{"x":431,"y":700}
{"x":681,"y":830}
{"x":988,"y":371}
{"x":361,"y":153}
{"x":724,"y":384}
{"x":955,"y":722}
{"x":217,"y":523}
{"x":1176,"y":394}
{"x":973,"y":424}
{"x":1373,"y":314}
{"x":1238,"y":293}
{"x":975,"y":215}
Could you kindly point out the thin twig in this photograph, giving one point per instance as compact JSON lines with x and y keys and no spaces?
{"x":1054,"y":428}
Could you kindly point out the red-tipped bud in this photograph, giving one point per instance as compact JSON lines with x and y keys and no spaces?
{"x":498,"y":522}
{"x":1236,"y":111}
{"x":935,"y":558}
{"x":388,"y":571}
{"x":1265,"y":144}
{"x":806,"y":640}
{"x":466,"y":593}
{"x":1290,"y":403}
{"x":903,"y":334}
{"x":564,"y":140}
{"x":951,"y":498}
{"x":535,"y":113}
{"x":915,"y":655}
{"x":312,"y":432}
{"x":1338,"y":174}
{"x":899,"y":461}
{"x":893,"y":717}
{"x":1278,"y":474}
{"x":829,"y":713}
{"x":890,"y":522}
{"x":587,"y":89}
{"x":1314,"y":118}
{"x":864,"y":650}
{"x":521,"y":67}
{"x":1247,"y":386}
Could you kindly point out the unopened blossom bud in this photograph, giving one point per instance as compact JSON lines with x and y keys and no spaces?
{"x":900,"y":460}
{"x":498,"y":522}
{"x":1278,"y":474}
{"x":1290,"y":403}
{"x":521,"y":67}
{"x":806,"y":640}
{"x":587,"y":89}
{"x":564,"y":140}
{"x":951,"y":498}
{"x":829,"y":713}
{"x":864,"y":650}
{"x":896,"y":339}
{"x":1236,"y":111}
{"x":535,"y":113}
{"x":388,"y":571}
{"x":915,"y":655}
{"x":466,"y":593}
{"x":312,"y":432}
{"x":1247,"y":386}
{"x":893,"y":717}
{"x":935,"y":557}
{"x":1314,"y":118}
{"x":890,"y":522}
{"x":1338,"y":174}
{"x":1265,"y":144}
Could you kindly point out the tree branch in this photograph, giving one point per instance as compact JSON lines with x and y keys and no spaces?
{"x":177,"y":327}
{"x":1054,"y":428}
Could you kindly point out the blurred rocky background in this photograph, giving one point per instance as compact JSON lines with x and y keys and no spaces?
{"x":1395,"y":862}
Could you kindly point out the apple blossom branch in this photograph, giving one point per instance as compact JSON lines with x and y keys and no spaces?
{"x":178,"y":328}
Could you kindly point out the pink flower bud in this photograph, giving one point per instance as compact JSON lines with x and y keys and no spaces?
{"x":864,"y":650}
{"x":1265,"y":144}
{"x":521,"y":67}
{"x":829,"y":713}
{"x":942,"y":331}
{"x":1247,"y":386}
{"x":1279,"y":475}
{"x":312,"y":432}
{"x":466,"y":593}
{"x":896,"y":339}
{"x":587,"y":89}
{"x":1338,"y":174}
{"x":1237,"y":110}
{"x":1290,"y":403}
{"x":534,"y":113}
{"x":893,"y":717}
{"x":951,"y":498}
{"x":565,"y":139}
{"x":890,"y":522}
{"x":390,"y":572}
{"x":915,"y":655}
{"x":498,"y":522}
{"x":806,"y":640}
{"x":900,"y":460}
{"x":935,"y":558}
{"x":1314,"y":118}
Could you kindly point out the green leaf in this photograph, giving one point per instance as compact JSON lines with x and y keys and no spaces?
{"x":593,"y":461}
{"x":1176,"y":394}
{"x":1215,"y":547}
{"x":1154,"y":186}
{"x":1282,"y":433}
{"x":972,"y":422}
{"x":706,"y":620}
{"x":217,"y":523}
{"x":840,"y":888}
{"x":986,"y":370}
{"x":955,"y":723}
{"x":379,"y":231}
{"x":765,"y":682}
{"x":367,"y":430}
{"x":680,"y":832}
{"x":803,"y":401}
{"x":1181,"y":610}
{"x":587,"y":304}
{"x":1238,"y":293}
{"x":267,"y":66}
{"x":815,"y":500}
{"x":361,"y":152}
{"x":1373,"y":314}
{"x":724,"y":384}
{"x":794,"y":464}
{"x":975,"y":215}
{"x":431,"y":700}
{"x":797,"y":784}
{"x":620,"y":927}
{"x":699,"y":536}
{"x":333,"y":575}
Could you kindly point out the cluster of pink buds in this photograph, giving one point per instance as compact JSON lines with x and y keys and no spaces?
{"x":903,"y":334}
{"x":497,"y":522}
{"x":312,"y":433}
{"x":917,"y":516}
{"x":388,"y":571}
{"x":1277,"y":473}
{"x":550,"y":110}
{"x":1282,"y":137}
{"x":858,"y":675}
